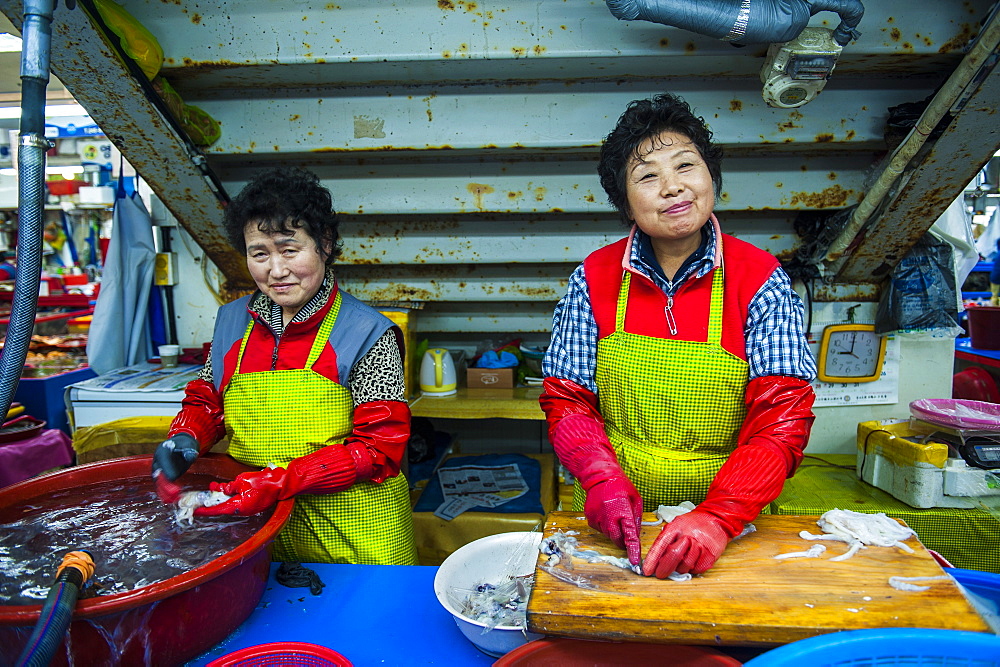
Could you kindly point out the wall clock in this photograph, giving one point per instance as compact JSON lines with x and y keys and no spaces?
{"x":851,"y":353}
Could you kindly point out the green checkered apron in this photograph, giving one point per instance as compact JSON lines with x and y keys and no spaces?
{"x":277,"y":416}
{"x":672,"y":408}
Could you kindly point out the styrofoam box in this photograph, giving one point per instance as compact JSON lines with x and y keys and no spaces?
{"x":918,"y":483}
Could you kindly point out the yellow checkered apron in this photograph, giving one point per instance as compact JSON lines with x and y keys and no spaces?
{"x":277,"y":416}
{"x":672,"y":408}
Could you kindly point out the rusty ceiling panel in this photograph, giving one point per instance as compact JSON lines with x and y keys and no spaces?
{"x":90,"y":68}
{"x":963,"y":149}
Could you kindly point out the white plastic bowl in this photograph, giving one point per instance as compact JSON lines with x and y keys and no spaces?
{"x":488,"y":560}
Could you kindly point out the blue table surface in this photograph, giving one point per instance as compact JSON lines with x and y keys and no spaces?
{"x":965,"y":345}
{"x":370,"y":614}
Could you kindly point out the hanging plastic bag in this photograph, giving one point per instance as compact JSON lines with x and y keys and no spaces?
{"x":955,"y":228}
{"x":119,"y":334}
{"x":921,"y":294}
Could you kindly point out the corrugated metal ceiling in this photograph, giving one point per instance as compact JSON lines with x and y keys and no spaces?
{"x":460,"y":138}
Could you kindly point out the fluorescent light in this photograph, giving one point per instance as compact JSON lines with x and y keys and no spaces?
{"x":9,"y":43}
{"x":51,"y":111}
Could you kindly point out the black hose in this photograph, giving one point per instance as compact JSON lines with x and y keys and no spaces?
{"x":36,"y":44}
{"x":57,"y":612}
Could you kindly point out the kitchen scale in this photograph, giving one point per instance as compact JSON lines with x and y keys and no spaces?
{"x":970,"y":428}
{"x":980,"y":449}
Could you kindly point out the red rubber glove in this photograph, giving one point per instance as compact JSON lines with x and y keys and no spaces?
{"x":576,"y":430}
{"x":373,"y":452}
{"x":201,"y":415}
{"x":327,"y":470}
{"x":770,"y":444}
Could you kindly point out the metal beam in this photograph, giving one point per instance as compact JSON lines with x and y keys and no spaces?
{"x":963,"y":149}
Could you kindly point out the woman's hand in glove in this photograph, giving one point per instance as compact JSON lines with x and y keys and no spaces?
{"x":692,"y":543}
{"x":171,"y":459}
{"x":328,"y":470}
{"x":252,"y":493}
{"x":614,"y":508}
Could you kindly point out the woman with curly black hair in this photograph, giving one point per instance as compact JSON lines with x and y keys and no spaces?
{"x":308,"y":382}
{"x":678,"y":368}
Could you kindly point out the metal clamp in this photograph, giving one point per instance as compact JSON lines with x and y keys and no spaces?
{"x":35,"y":141}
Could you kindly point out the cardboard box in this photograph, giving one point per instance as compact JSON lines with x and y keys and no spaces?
{"x":490,"y":378}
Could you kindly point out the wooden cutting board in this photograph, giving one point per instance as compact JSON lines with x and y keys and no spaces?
{"x":748,"y":598}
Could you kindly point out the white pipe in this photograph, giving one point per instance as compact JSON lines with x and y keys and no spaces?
{"x":985,"y":45}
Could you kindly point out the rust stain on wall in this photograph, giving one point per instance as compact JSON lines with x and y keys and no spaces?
{"x":833,"y":196}
{"x":690,"y":47}
{"x":664,"y":42}
{"x":539,"y":194}
{"x":958,"y":42}
{"x":447,"y":5}
{"x":824,"y":138}
{"x":477,"y":190}
{"x":894,"y":34}
{"x":736,"y":105}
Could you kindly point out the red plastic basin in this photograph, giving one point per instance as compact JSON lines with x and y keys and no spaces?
{"x":165,"y":623}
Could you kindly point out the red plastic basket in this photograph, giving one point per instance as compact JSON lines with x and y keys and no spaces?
{"x":286,"y":654}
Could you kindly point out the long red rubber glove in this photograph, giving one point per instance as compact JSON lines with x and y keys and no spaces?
{"x":769,"y":450}
{"x":373,"y":452}
{"x":201,"y":420}
{"x":576,"y":430}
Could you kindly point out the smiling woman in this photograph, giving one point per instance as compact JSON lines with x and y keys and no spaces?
{"x":308,"y":382}
{"x":678,"y":369}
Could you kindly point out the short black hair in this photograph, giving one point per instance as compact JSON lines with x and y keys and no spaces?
{"x":643,"y":120}
{"x":282,"y":199}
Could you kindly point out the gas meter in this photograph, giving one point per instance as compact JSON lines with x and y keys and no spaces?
{"x":794,"y":72}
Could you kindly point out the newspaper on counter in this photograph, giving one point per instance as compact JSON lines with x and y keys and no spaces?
{"x":142,"y":377}
{"x":465,"y":487}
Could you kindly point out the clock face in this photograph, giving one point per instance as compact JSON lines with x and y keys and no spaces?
{"x":853,"y":354}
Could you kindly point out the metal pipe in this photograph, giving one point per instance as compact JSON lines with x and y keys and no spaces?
{"x":36,"y":34}
{"x":985,"y":45}
{"x":742,"y":21}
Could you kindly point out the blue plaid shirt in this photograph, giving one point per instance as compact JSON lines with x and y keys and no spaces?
{"x":775,"y":340}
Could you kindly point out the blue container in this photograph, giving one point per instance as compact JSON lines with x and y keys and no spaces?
{"x":43,"y":398}
{"x":887,"y":646}
{"x":984,"y":588}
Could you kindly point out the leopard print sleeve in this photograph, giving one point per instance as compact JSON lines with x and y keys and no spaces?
{"x":378,"y":376}
{"x":206,"y":371}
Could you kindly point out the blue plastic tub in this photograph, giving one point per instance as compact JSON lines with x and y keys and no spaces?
{"x":887,"y":646}
{"x":983,"y":589}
